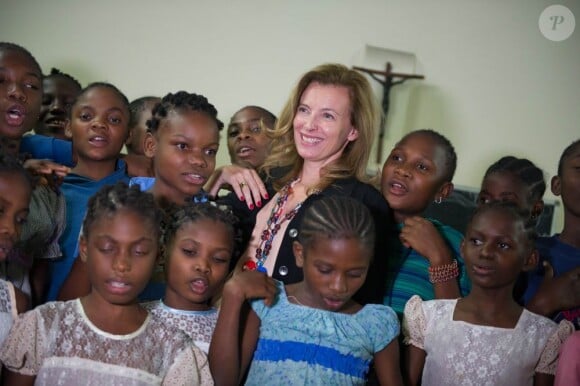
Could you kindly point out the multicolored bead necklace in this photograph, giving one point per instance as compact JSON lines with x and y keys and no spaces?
{"x":273,"y":226}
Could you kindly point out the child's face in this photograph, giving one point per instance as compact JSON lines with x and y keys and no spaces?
{"x":496,"y":249}
{"x":247,"y":139}
{"x":503,"y":186}
{"x":14,"y":199}
{"x":59,"y":94}
{"x":567,"y":185}
{"x":184,"y":151}
{"x":98,"y":125}
{"x":334,"y":269}
{"x":137,"y":138}
{"x":413,"y":176}
{"x":120,"y":251}
{"x":20,"y":94}
{"x":197,"y":264}
{"x":322,"y":123}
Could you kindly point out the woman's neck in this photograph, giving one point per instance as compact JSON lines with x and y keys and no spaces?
{"x":113,"y":318}
{"x":310,"y":174}
{"x":96,"y":170}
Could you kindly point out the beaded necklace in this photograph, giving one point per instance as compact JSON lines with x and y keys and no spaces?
{"x":273,"y":224}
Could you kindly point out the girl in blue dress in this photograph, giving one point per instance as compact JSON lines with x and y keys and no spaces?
{"x":310,"y":332}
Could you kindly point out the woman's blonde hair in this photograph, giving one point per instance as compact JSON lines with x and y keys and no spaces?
{"x":365,"y":118}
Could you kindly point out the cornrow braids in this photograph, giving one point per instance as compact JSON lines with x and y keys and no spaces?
{"x":54,"y":72}
{"x":137,"y":106}
{"x":11,"y":164}
{"x":440,"y":139}
{"x":102,"y":85}
{"x":518,"y":215}
{"x":530,"y":175}
{"x":111,"y":199}
{"x":337,"y":217}
{"x":181,"y":101}
{"x":567,"y":153}
{"x":178,"y":216}
{"x":7,"y":46}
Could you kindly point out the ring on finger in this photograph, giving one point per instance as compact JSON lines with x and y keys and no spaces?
{"x":242,"y":184}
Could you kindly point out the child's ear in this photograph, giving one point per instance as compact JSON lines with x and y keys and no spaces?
{"x":129,"y":137}
{"x":556,"y":185}
{"x":444,"y":191}
{"x":150,"y":145}
{"x":531,"y":261}
{"x":83,"y":249}
{"x":298,"y":250}
{"x":353,"y":134}
{"x":537,"y":209}
{"x":67,"y":129}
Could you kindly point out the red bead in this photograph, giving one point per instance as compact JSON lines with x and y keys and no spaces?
{"x":249,"y":265}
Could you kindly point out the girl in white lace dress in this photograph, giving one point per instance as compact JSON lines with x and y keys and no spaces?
{"x":199,"y":242}
{"x":106,"y":338}
{"x":485,"y":338}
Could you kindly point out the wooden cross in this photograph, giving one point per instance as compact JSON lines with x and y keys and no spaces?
{"x":391,"y":79}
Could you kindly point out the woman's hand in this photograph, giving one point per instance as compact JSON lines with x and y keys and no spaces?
{"x":245,"y":182}
{"x":51,"y":173}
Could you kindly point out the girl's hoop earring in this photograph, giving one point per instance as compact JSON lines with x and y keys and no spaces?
{"x":438,"y":200}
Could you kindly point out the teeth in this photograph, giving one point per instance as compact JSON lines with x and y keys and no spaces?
{"x":118,"y":284}
{"x":100,"y":139}
{"x":310,"y":139}
{"x":14,"y":114}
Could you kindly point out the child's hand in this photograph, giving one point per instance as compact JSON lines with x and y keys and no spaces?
{"x":421,"y":235}
{"x":51,"y":172}
{"x":251,"y":285}
{"x":245,"y":182}
{"x":558,"y":293}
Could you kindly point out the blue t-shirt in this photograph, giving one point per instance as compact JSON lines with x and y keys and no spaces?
{"x":44,"y":147}
{"x":563,"y":258}
{"x":77,"y":190}
{"x":300,"y":345}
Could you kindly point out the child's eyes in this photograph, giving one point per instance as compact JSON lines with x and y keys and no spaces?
{"x":233,"y":133}
{"x":32,"y":86}
{"x":504,"y":246}
{"x":255,"y":129}
{"x":189,"y":252}
{"x":355,"y":275}
{"x":115,"y":120}
{"x":181,"y":146}
{"x":220,"y":260}
{"x":476,"y":242}
{"x":85,"y":117}
{"x":324,"y":271}
{"x":422,"y":167}
{"x":21,"y":220}
{"x":211,"y":152}
{"x":396,"y":157}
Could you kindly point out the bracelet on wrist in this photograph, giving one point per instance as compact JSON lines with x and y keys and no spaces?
{"x":443,"y":273}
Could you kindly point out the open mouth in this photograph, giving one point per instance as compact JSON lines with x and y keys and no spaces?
{"x":194,"y":178}
{"x":15,"y":115}
{"x":199,"y":286}
{"x":245,"y":150}
{"x":98,"y":141}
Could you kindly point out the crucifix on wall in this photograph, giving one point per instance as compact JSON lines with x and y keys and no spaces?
{"x":390,"y":79}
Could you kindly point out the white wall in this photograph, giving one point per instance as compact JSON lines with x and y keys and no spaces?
{"x":494,"y":85}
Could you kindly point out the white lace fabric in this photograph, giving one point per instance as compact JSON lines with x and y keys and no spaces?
{"x":460,"y":353}
{"x":198,"y":325}
{"x":58,"y":344}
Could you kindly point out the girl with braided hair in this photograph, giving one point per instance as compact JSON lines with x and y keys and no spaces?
{"x":311,"y":332}
{"x":106,"y":337}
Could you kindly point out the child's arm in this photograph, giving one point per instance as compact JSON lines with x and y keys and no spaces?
{"x":15,"y":379}
{"x":387,"y":364}
{"x":421,"y":235}
{"x":77,"y":283}
{"x":414,"y":363}
{"x":556,"y":293}
{"x":228,"y":357}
